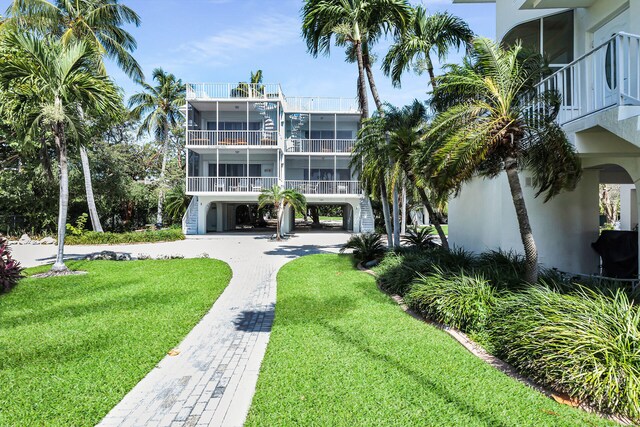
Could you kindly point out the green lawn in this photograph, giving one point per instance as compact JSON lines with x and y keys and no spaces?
{"x":344,"y":354}
{"x":445,"y":228}
{"x":71,"y":347}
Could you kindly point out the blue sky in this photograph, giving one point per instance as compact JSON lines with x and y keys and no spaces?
{"x":223,"y":40}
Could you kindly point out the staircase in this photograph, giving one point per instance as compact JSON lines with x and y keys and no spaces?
{"x":263,"y":108}
{"x":367,"y":223}
{"x":190,"y":218}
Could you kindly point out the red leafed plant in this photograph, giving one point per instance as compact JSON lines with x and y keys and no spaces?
{"x":10,"y":270}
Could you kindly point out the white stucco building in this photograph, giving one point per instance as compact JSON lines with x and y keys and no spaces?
{"x":594,"y":48}
{"x":243,"y":138}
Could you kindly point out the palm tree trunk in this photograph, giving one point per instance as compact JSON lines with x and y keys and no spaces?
{"x":366,"y":59}
{"x":278,"y":224}
{"x":432,"y":77}
{"x":530,"y":250}
{"x":91,"y":203}
{"x":362,"y":85}
{"x":433,"y":218}
{"x":165,"y":154}
{"x":396,"y":217}
{"x":63,"y":204}
{"x":403,"y":216}
{"x":385,"y":213}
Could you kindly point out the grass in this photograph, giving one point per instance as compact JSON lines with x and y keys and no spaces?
{"x":344,"y":354}
{"x":71,"y":347}
{"x":445,"y":229}
{"x":107,"y":238}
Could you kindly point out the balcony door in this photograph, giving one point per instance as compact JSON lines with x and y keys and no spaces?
{"x":607,"y":69}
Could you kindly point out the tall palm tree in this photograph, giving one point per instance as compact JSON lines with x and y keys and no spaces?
{"x":425,"y":36}
{"x":159,"y":108}
{"x":491,"y":118}
{"x":350,"y":22}
{"x":280,"y":198}
{"x":252,"y":89}
{"x":406,"y":127}
{"x":59,"y":83}
{"x":96,"y":22}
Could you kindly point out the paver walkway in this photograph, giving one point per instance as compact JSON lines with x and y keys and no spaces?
{"x":212,"y":380}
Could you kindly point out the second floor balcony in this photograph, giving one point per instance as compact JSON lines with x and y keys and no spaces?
{"x":212,"y":138}
{"x":295,"y":145}
{"x":310,"y":187}
{"x":607,"y":76}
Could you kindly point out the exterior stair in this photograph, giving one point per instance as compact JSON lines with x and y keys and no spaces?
{"x":190,"y":218}
{"x":367,"y":222}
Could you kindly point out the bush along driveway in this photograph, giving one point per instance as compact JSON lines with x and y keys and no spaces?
{"x":344,"y":354}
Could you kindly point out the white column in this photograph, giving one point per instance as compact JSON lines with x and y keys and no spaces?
{"x":217,"y":165}
{"x":335,"y":132}
{"x":247,"y":162}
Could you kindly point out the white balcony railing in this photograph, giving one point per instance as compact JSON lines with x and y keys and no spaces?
{"x":320,"y":145}
{"x":203,"y":184}
{"x":324,"y":187}
{"x":307,"y":104}
{"x":203,"y":138}
{"x":607,"y":76}
{"x":209,"y":91}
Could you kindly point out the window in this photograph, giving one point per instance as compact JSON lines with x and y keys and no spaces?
{"x":555,"y":32}
{"x":233,"y":126}
{"x":235,"y":170}
{"x":344,"y":134}
{"x":194,"y":163}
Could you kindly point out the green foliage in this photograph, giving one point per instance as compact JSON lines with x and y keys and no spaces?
{"x":366,"y":246}
{"x":10,"y":270}
{"x":420,"y":238}
{"x":74,"y":346}
{"x":462,"y":301}
{"x":107,"y":238}
{"x":585,"y":344}
{"x":79,"y":228}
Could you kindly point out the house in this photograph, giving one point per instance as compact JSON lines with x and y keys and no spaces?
{"x":243,"y":138}
{"x":593,"y":48}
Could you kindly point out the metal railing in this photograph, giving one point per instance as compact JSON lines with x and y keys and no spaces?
{"x":305,"y":104}
{"x":200,"y":138}
{"x":200,"y":91}
{"x":320,"y":145}
{"x":607,"y":76}
{"x":191,"y":209}
{"x":324,"y":187}
{"x":201,"y":184}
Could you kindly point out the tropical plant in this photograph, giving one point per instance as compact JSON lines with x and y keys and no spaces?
{"x":96,"y":22}
{"x":366,"y":246}
{"x":420,"y":238}
{"x":425,"y":35}
{"x":349,"y":23}
{"x":10,"y":270}
{"x":463,"y":301}
{"x":490,"y":119}
{"x":159,"y":108}
{"x":280,"y":198}
{"x":584,"y":344}
{"x":52,"y":86}
{"x":177,"y":202}
{"x":253,"y":89}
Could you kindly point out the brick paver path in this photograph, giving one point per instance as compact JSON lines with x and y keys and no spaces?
{"x":212,"y":380}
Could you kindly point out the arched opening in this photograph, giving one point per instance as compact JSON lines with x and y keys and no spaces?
{"x":212,"y":218}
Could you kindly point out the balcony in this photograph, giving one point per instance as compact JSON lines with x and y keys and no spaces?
{"x":325,"y":187}
{"x":301,"y":104}
{"x":606,"y":77}
{"x":223,"y":91}
{"x":229,"y":185}
{"x":320,"y":145}
{"x":212,"y":138}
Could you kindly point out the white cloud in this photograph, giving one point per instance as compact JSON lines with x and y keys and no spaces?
{"x":242,"y":39}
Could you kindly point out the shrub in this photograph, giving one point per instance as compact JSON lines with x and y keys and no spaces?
{"x":585,"y":344}
{"x":10,"y":270}
{"x":366,"y":246}
{"x":79,"y":228}
{"x":148,"y":236}
{"x":397,"y":271}
{"x":420,"y":238}
{"x":459,"y":300}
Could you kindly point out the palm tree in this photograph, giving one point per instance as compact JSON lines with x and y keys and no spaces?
{"x":96,"y":22}
{"x":280,"y":198}
{"x":406,"y":127}
{"x":425,"y":35}
{"x":159,"y":108}
{"x":491,"y":118}
{"x":350,"y":22}
{"x":252,"y":89}
{"x":60,"y":84}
